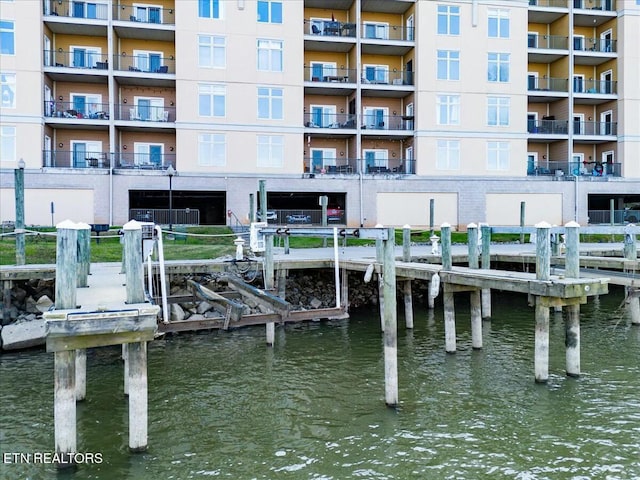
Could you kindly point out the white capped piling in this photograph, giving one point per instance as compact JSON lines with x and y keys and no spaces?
{"x":84,"y":254}
{"x":485,"y":231}
{"x":136,"y":352}
{"x":390,"y":321}
{"x":572,"y":320}
{"x":133,"y":262}
{"x":476,"y":306}
{"x":269,"y":281}
{"x":65,"y":361}
{"x":631,"y":254}
{"x":543,"y":271}
{"x":449,"y":307}
{"x":137,"y":356}
{"x":406,"y":287}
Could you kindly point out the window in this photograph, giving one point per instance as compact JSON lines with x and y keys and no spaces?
{"x":378,"y":31}
{"x":85,"y":153}
{"x":448,"y":65}
{"x":532,"y":40}
{"x":8,"y":87}
{"x":321,"y":158}
{"x":376,"y":160}
{"x":209,"y":8}
{"x":376,"y":118}
{"x":147,"y":61}
{"x":147,"y":14}
{"x":448,"y":110}
{"x":212,"y":51}
{"x":498,"y":111}
{"x":498,"y":23}
{"x":448,"y":20}
{"x":85,"y":57}
{"x":376,"y":74}
{"x":448,"y":155}
{"x":323,"y":116}
{"x":212,"y":150}
{"x":270,"y":151}
{"x":87,"y":105}
{"x":270,"y":55}
{"x":148,"y":154}
{"x":320,"y":72}
{"x":149,"y":109}
{"x":8,"y":143}
{"x":498,"y":69}
{"x":270,"y":103}
{"x":497,"y":155}
{"x":89,"y":10}
{"x":269,"y":12}
{"x":212,"y":100}
{"x":7,"y":38}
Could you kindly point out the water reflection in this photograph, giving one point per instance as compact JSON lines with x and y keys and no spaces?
{"x":312,"y":406}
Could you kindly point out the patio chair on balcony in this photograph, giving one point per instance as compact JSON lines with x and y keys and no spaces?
{"x":163,"y":69}
{"x":133,"y":115}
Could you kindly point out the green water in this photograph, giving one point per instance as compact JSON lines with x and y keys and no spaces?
{"x":223,"y":405}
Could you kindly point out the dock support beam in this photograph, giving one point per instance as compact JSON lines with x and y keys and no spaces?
{"x":572,"y":321}
{"x":64,"y":404}
{"x":543,"y":272}
{"x":136,"y":352}
{"x":406,"y":287}
{"x":137,"y":357}
{"x":541,"y":342}
{"x":447,"y":296}
{"x":476,"y":303}
{"x":270,"y":329}
{"x":631,"y":253}
{"x":64,"y":407}
{"x":390,"y":322}
{"x":486,"y":264}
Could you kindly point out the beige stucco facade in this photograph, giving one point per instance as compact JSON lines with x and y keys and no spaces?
{"x":356,"y":106}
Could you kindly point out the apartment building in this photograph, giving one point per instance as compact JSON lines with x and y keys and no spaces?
{"x":177,"y":108}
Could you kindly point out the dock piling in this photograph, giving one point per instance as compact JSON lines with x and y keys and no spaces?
{"x":65,"y":362}
{"x":137,"y":359}
{"x":543,"y":272}
{"x":406,"y":287}
{"x":631,"y":254}
{"x":476,"y":302}
{"x":485,"y":232}
{"x":572,"y":321}
{"x":390,"y":321}
{"x":270,"y":329}
{"x":447,"y":297}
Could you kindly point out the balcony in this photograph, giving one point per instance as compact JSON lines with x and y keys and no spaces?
{"x":76,"y":112}
{"x":595,"y":169}
{"x":144,"y":14}
{"x":595,"y":132}
{"x":548,"y":127}
{"x":548,"y":168}
{"x":319,"y":167}
{"x":546,"y":48}
{"x":329,"y":35}
{"x":594,"y":92}
{"x":80,"y":65}
{"x":374,"y":124}
{"x":325,"y":80}
{"x":145,"y":113}
{"x":144,"y":161}
{"x":333,"y":121}
{"x":547,"y":11}
{"x":149,"y":22}
{"x":74,"y":159}
{"x":149,"y":70}
{"x":76,"y":18}
{"x":383,"y":39}
{"x":593,"y":13}
{"x":547,"y":89}
{"x":594,"y":51}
